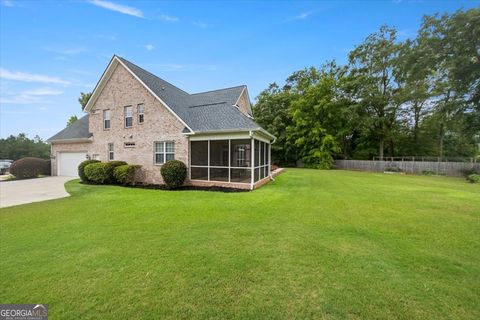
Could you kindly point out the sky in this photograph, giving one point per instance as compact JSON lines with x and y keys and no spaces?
{"x":50,"y":51}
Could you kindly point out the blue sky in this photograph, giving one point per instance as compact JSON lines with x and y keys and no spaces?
{"x":50,"y":51}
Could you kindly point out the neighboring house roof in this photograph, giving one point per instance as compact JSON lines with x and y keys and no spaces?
{"x":203,"y":112}
{"x":76,"y":131}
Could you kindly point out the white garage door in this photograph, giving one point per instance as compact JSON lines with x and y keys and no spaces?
{"x":68,"y":163}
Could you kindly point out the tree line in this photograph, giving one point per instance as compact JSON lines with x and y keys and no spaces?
{"x":418,"y":97}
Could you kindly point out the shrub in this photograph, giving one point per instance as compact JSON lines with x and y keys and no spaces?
{"x":47,"y":167}
{"x":100,"y":172}
{"x":29,"y":167}
{"x":81,"y":169}
{"x":174,"y":173}
{"x":125,"y":174}
{"x":392,"y":169}
{"x":474,"y":178}
{"x":469,"y":171}
{"x":428,"y":172}
{"x":117,"y":163}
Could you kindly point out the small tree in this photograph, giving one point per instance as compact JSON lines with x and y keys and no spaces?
{"x":83,"y":99}
{"x":71,"y":120}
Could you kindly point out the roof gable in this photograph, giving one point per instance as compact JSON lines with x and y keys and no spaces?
{"x":200,"y":112}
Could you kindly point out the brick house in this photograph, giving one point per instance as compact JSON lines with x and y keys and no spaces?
{"x":139,"y":118}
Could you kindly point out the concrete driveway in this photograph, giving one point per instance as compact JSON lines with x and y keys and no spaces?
{"x":13,"y":193}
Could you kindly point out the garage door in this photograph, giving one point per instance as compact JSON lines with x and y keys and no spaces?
{"x":68,"y":163}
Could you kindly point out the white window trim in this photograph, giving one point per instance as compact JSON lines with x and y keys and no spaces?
{"x":140,"y":113}
{"x":105,"y":119}
{"x":164,"y":151}
{"x":111,"y":152}
{"x":125,"y":116}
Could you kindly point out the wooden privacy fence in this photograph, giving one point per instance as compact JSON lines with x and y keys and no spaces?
{"x":411,"y":167}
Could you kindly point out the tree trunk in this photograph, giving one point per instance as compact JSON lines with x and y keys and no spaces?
{"x":380,"y":148}
{"x":440,"y":141}
{"x":415,"y":128}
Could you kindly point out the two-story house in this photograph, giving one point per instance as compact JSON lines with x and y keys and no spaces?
{"x":139,"y":118}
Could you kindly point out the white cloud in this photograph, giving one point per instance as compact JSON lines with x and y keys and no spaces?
{"x":30,"y":96}
{"x":168,"y":18}
{"x":42,"y":92}
{"x":67,"y":51}
{"x":149,"y":47}
{"x":301,"y":16}
{"x":30,"y":77}
{"x":118,"y":8}
{"x":7,"y":3}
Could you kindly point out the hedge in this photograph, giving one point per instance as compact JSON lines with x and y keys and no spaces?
{"x":125,"y":174}
{"x":81,"y":169}
{"x":100,"y":172}
{"x":174,"y":173}
{"x":29,"y":167}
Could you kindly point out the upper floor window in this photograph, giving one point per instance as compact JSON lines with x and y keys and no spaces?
{"x":141,"y":112}
{"x":110,"y":152}
{"x":128,"y":111}
{"x":164,"y":151}
{"x":106,"y":119}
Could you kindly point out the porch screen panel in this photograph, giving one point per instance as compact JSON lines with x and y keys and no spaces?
{"x":219,"y":153}
{"x":199,"y":173}
{"x":199,"y":150}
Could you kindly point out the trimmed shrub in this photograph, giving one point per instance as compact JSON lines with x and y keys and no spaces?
{"x":47,"y":169}
{"x":125,"y":174}
{"x":27,"y":168}
{"x":174,"y":173}
{"x":117,"y":163}
{"x":100,"y":172}
{"x":474,"y":178}
{"x":81,"y":169}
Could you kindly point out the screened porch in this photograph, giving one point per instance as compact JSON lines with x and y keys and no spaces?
{"x":229,"y":160}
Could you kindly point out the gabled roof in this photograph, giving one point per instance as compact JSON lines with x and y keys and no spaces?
{"x":76,"y":131}
{"x":202,"y":112}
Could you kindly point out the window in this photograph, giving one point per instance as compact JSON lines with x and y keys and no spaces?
{"x":129,"y":144}
{"x":96,"y":157}
{"x":128,"y":116}
{"x":240,"y":153}
{"x":164,"y":151}
{"x":141,"y":113}
{"x":110,"y":152}
{"x":106,"y":119}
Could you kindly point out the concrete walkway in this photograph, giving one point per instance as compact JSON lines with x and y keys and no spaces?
{"x":17,"y":192}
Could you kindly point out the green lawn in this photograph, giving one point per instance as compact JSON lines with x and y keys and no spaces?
{"x":311,"y":245}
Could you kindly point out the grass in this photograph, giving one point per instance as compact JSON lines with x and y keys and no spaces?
{"x":311,"y":245}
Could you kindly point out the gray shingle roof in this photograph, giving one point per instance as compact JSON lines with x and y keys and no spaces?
{"x":78,"y":130}
{"x":202,"y":112}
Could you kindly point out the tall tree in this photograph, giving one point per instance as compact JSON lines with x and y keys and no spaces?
{"x":16,"y":147}
{"x":453,"y":43}
{"x":83,"y":99}
{"x":372,"y":64}
{"x":272,"y":112}
{"x":71,"y":120}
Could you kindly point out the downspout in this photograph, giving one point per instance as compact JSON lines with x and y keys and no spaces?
{"x":252,"y":156}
